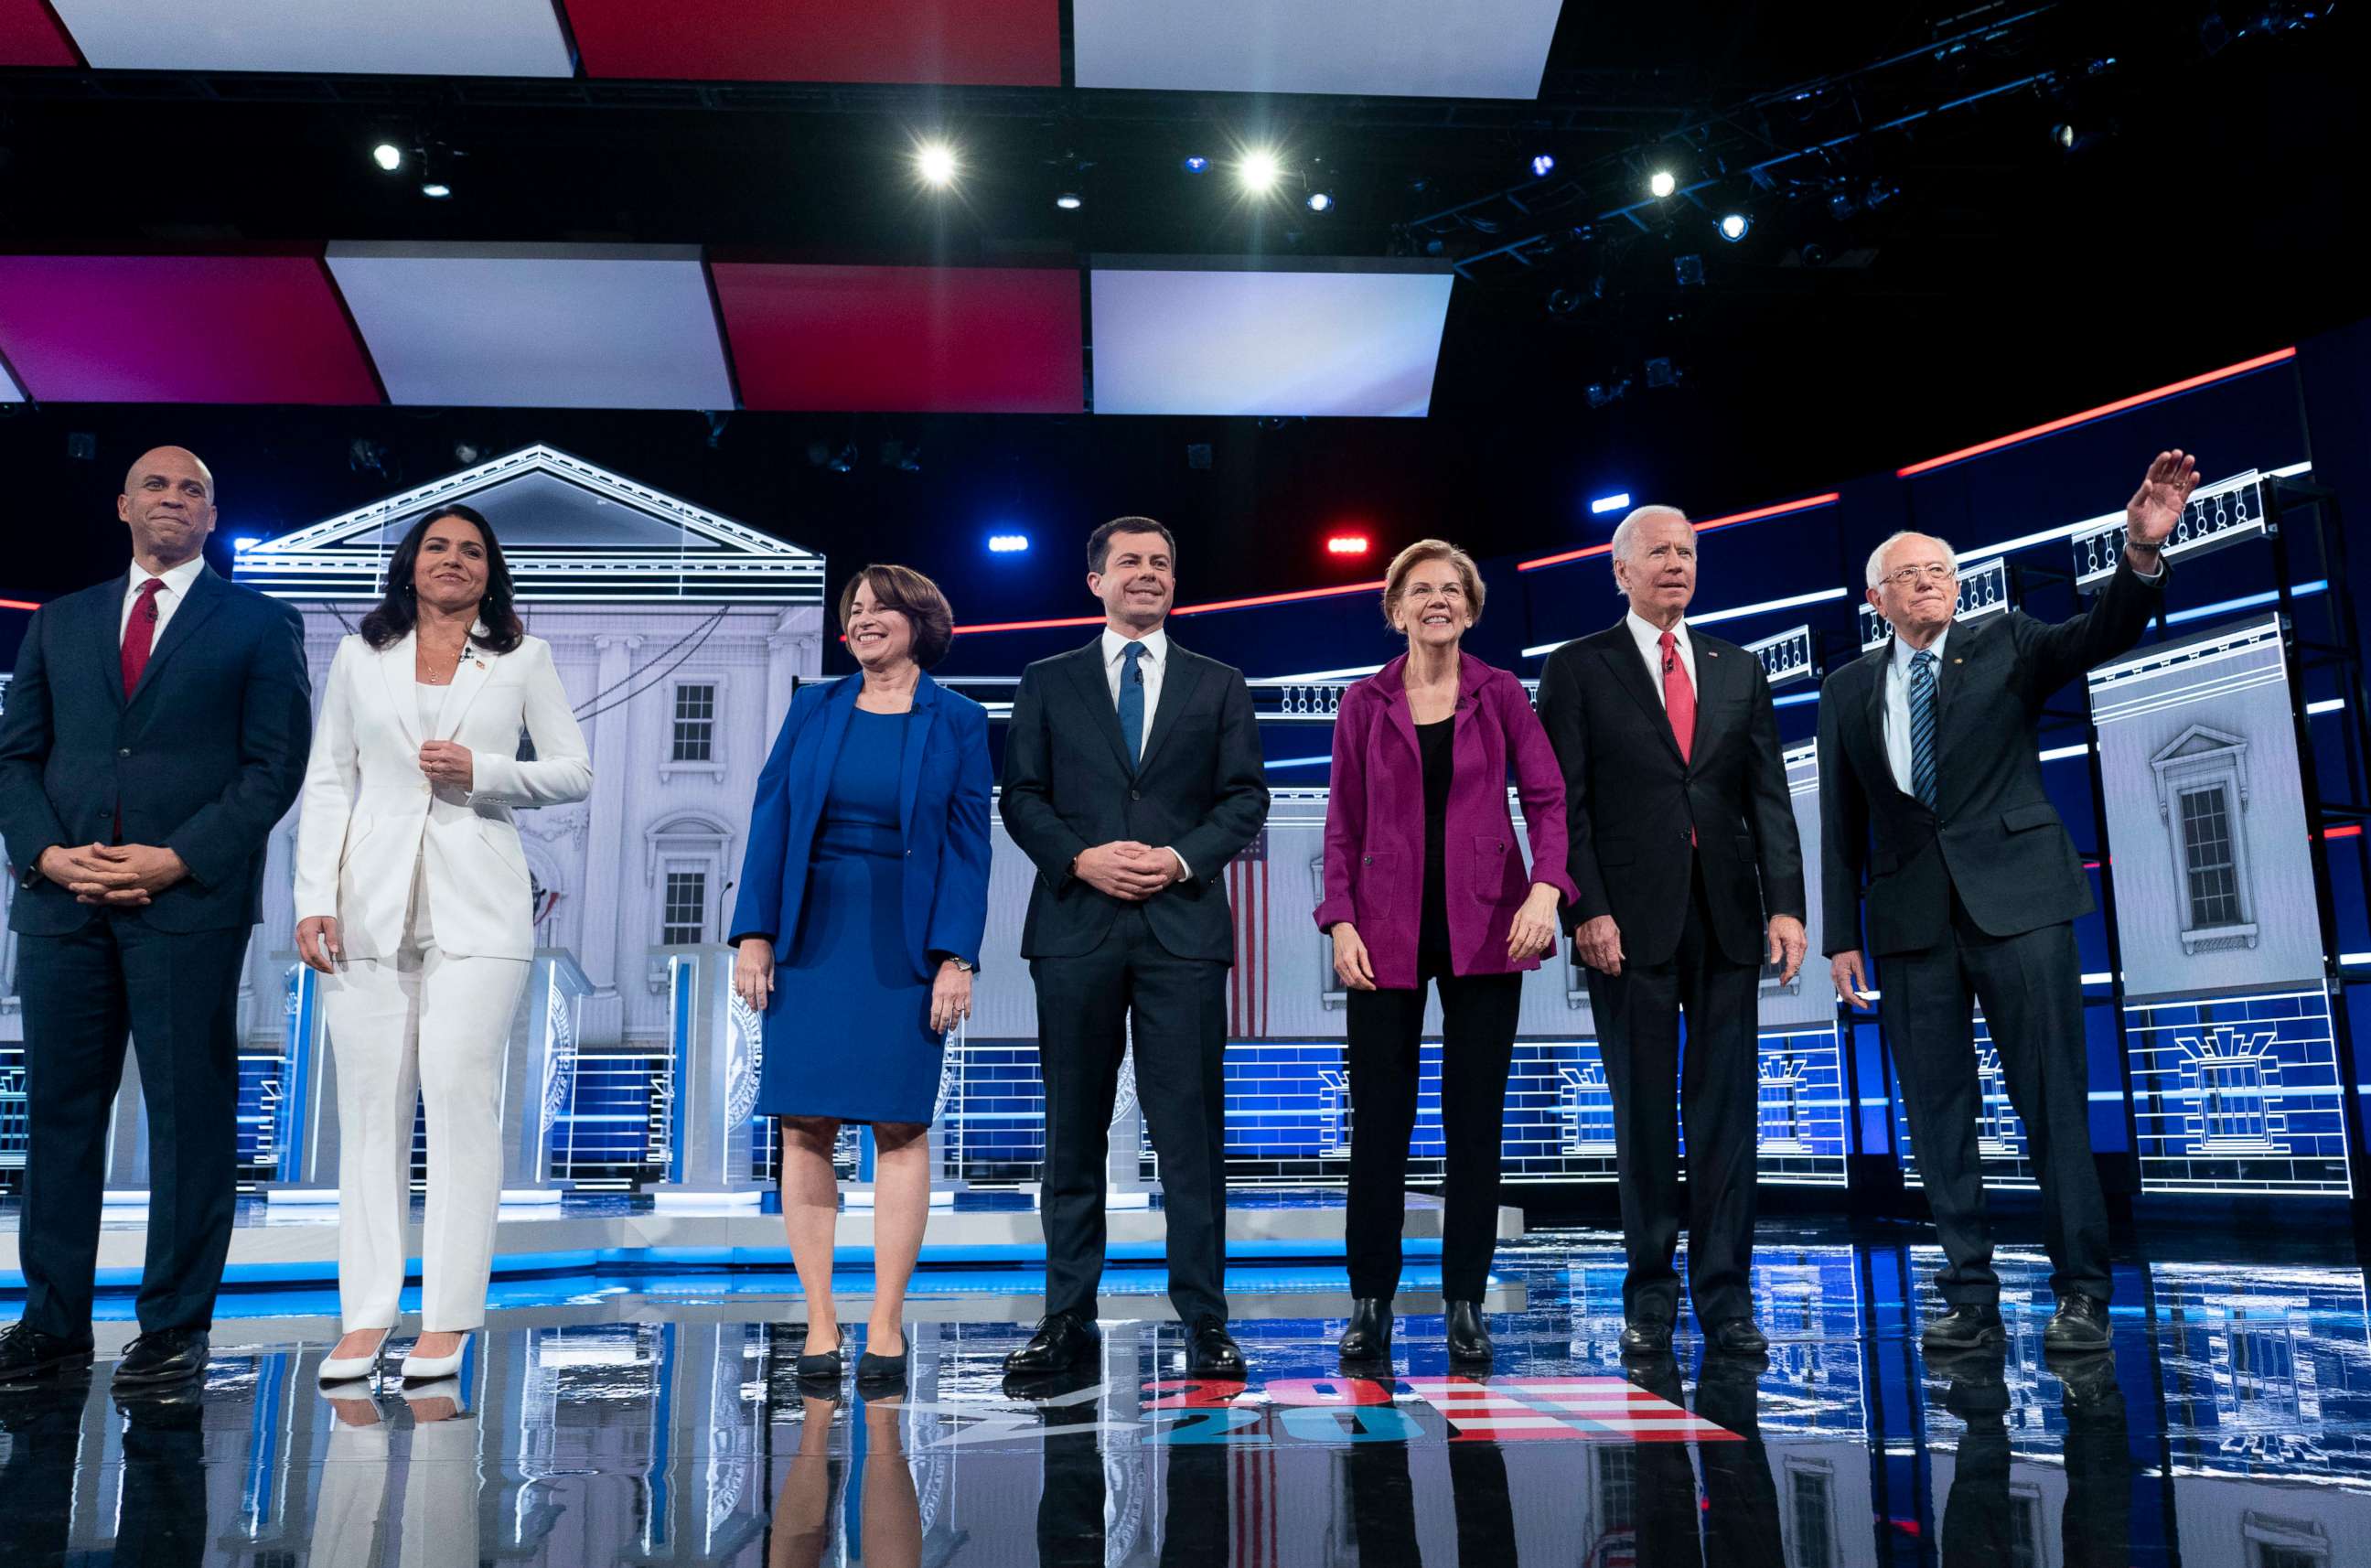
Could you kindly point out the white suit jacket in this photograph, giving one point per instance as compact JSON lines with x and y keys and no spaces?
{"x":369,"y":811}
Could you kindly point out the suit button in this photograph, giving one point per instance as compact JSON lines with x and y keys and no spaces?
{"x":123,"y":751}
{"x":1366,"y":860}
{"x":1136,"y":794}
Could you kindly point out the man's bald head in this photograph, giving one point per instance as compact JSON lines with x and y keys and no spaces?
{"x":174,"y":461}
{"x":168,"y":505}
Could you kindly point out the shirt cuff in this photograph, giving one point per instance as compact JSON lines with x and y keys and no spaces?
{"x":1184,"y":870}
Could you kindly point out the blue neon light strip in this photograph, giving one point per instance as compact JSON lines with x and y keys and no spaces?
{"x":2250,"y":601}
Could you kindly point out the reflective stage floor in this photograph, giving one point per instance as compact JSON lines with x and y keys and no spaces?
{"x":657,"y":1419}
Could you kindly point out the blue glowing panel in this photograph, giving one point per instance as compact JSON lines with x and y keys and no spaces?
{"x":1799,"y":1128}
{"x":2237,"y":1094}
{"x":2001,"y":1143}
{"x":2265,"y":1363}
{"x":10,"y":391}
{"x":1808,"y":1001}
{"x":1392,"y":48}
{"x":1218,"y":341}
{"x":403,"y":38}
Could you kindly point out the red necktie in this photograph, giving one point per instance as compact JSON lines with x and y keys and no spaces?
{"x":1679,"y":697}
{"x":140,"y":634}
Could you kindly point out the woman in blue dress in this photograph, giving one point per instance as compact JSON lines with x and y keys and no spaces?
{"x":863,"y":896}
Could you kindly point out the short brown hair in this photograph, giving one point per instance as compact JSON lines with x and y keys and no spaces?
{"x":1416,"y":555}
{"x":1099,"y":541}
{"x":916,"y":598}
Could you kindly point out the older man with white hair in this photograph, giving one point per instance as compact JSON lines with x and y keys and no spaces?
{"x":1682,"y":849}
{"x":1930,"y":784}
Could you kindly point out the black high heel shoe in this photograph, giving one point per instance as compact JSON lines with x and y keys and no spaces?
{"x":1368,"y":1335}
{"x":830,"y":1364}
{"x":1469,"y":1337}
{"x":887,"y":1372}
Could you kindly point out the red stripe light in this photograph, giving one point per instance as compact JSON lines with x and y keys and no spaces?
{"x":17,"y":604}
{"x":2171,"y":389}
{"x":1732,"y":520}
{"x":1347,"y":544}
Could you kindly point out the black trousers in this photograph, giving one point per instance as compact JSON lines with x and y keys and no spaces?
{"x":1638,"y":1014}
{"x":2032,"y":987}
{"x":1086,"y":1005}
{"x":175,"y":994}
{"x":1477,"y":1042}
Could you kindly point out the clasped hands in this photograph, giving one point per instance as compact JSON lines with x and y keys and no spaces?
{"x":1530,"y":934}
{"x":115,"y":875}
{"x":448,"y":763}
{"x":1128,"y":870}
{"x":1597,"y":943}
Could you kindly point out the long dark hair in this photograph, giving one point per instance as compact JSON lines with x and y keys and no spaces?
{"x":398,"y":611}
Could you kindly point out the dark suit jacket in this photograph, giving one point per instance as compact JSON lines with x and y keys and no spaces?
{"x":203,"y":758}
{"x":942,"y":802}
{"x":1199,"y":790}
{"x":1631,"y":802}
{"x":1994,"y":836}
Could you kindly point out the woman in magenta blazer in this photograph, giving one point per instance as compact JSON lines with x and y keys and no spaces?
{"x":1425,"y":881}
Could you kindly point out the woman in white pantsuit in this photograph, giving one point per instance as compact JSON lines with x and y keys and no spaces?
{"x":414,"y":902}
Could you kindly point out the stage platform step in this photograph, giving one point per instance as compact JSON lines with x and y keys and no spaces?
{"x":279,"y":1244}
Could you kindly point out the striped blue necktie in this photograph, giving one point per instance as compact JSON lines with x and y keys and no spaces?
{"x":1922,"y":726}
{"x":1131,"y":702}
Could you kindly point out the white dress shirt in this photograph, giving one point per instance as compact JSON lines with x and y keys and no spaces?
{"x":1150,"y":665}
{"x":176,"y":581}
{"x":1897,"y":704}
{"x":1649,"y":638}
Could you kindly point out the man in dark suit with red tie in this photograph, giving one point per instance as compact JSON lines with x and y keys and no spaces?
{"x":157,"y":728}
{"x":1682,"y":845}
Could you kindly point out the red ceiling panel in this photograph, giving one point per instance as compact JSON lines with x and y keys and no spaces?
{"x":179,"y":329}
{"x":921,"y":340}
{"x":31,"y":35}
{"x":1005,"y":42}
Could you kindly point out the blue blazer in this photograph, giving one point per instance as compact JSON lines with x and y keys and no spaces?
{"x":942,"y":807}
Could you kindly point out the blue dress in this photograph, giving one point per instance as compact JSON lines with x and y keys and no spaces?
{"x":847,"y":1033}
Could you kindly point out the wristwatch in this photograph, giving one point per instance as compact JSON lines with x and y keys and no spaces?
{"x":963,"y":964}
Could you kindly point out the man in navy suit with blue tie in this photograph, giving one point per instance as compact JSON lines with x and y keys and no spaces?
{"x":157,"y":728}
{"x":1132,"y":778}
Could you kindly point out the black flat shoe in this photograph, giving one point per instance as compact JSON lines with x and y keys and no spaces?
{"x":1469,"y":1337}
{"x":2079,"y":1324}
{"x":1737,"y":1336}
{"x":880,"y":1369}
{"x":168,"y":1355}
{"x":26,"y":1353}
{"x":1062,"y":1339}
{"x":1964,"y":1326}
{"x":1648,"y":1336}
{"x":1368,"y":1335}
{"x":1211,"y":1352}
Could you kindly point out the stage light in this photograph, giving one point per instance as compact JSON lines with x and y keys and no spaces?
{"x":1258,"y":172}
{"x":387,"y":156}
{"x":1542,"y":165}
{"x":1733,"y":226}
{"x":1347,"y":544}
{"x":1661,"y":183}
{"x":1007,"y":543}
{"x":1321,"y":202}
{"x":244,"y":543}
{"x":2063,"y":134}
{"x":436,"y":189}
{"x":1069,"y":202}
{"x":1197,"y":163}
{"x":1617,"y":501}
{"x":935,"y":162}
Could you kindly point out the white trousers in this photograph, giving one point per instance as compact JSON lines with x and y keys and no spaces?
{"x":424,"y":1024}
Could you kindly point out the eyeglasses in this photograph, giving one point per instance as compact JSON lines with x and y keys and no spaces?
{"x":1933,"y":572}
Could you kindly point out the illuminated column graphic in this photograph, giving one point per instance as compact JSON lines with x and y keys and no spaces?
{"x":612,"y":746}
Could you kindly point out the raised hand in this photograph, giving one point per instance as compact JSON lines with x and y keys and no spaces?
{"x":2156,"y":505}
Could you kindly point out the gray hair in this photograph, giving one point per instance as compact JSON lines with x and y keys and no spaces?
{"x":1876,"y":569}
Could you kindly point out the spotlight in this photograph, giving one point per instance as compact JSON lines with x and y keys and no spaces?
{"x":1320,"y":202}
{"x":1196,"y":165}
{"x":1258,"y":172}
{"x":244,"y":543}
{"x":1733,"y":226}
{"x":2063,"y":134}
{"x":1543,"y":164}
{"x":1347,"y":544}
{"x":1069,"y":202}
{"x":437,"y":191}
{"x":1562,"y":301}
{"x":1007,"y":543}
{"x":935,"y":162}
{"x":1687,"y":271}
{"x":1661,"y":183}
{"x":387,"y":156}
{"x":1617,"y":501}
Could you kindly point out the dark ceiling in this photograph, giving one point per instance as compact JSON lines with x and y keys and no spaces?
{"x":1995,"y":279}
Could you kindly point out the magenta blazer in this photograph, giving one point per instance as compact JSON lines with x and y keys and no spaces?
{"x":1374,"y":821}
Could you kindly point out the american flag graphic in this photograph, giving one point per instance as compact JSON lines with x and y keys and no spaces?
{"x":1247,"y":982}
{"x":1523,"y":1410}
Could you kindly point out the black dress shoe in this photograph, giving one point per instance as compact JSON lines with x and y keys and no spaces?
{"x":167,"y":1356}
{"x":26,"y":1353}
{"x":1469,"y":1337}
{"x":1368,"y":1335}
{"x":2089,"y":1380}
{"x":2079,"y":1324}
{"x":1964,"y":1326}
{"x":1211,"y":1352}
{"x":1061,"y":1339}
{"x":1737,"y":1336}
{"x":1648,"y":1336}
{"x":881,"y":1372}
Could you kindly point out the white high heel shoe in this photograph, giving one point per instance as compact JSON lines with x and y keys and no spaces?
{"x":351,"y":1368}
{"x":418,"y":1368}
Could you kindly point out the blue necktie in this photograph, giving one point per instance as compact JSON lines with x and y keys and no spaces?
{"x":1922,"y":726}
{"x":1131,"y":702}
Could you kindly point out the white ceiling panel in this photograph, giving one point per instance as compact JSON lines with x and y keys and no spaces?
{"x":1399,"y":48}
{"x":10,"y":391}
{"x":536,"y":326}
{"x":410,"y":38}
{"x":1211,"y":342}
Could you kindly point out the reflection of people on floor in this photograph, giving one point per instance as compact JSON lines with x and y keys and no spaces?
{"x":1071,"y":1502}
{"x":43,"y":1424}
{"x":2095,"y":1525}
{"x":1739,"y":1516}
{"x":1978,"y":1528}
{"x":1981,"y":1527}
{"x":802,"y":1508}
{"x":1383,"y":1529}
{"x":885,"y":1512}
{"x":162,"y":1520}
{"x":349,"y":1512}
{"x":440,"y":1481}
